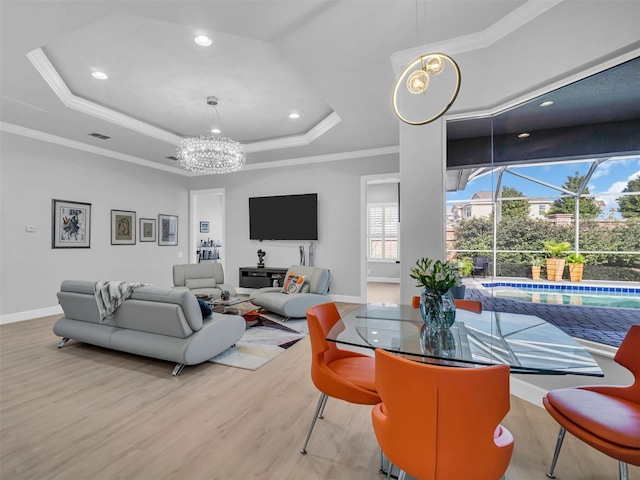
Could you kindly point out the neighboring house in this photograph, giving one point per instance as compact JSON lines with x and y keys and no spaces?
{"x":539,"y":207}
{"x":481,"y":205}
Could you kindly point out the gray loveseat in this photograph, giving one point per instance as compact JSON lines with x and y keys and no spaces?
{"x":155,"y":322}
{"x":295,"y":305}
{"x":206,"y":278}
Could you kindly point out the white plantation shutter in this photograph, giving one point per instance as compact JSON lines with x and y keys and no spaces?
{"x":382,"y":231}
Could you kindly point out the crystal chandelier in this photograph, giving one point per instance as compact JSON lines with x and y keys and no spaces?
{"x":211,"y":154}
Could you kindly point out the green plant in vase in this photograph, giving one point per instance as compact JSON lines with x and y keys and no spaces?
{"x":555,"y":264}
{"x":436,"y":278}
{"x":576,"y":263}
{"x":536,"y":266}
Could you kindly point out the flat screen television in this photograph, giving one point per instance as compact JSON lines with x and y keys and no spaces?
{"x":284,"y":217}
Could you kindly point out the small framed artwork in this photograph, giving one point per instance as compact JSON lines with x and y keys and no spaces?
{"x":204,"y":227}
{"x":123,"y":227}
{"x":167,"y":230}
{"x":70,"y":224}
{"x":147,"y":230}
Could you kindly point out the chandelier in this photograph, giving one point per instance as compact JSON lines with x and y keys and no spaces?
{"x":211,"y":154}
{"x":438,"y":73}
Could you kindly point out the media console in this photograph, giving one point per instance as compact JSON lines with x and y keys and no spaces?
{"x":253,"y":277}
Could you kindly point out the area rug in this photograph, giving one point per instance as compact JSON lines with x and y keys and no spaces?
{"x":264,"y":340}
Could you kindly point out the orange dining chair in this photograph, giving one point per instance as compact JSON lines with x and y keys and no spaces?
{"x":605,"y":417}
{"x":349,"y":376}
{"x":442,"y":423}
{"x":471,"y":305}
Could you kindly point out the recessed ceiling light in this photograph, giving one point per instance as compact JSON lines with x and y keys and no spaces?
{"x":294,"y":115}
{"x":523,"y":135}
{"x":216,"y":130}
{"x":99,"y":75}
{"x":203,"y":40}
{"x":547,"y":103}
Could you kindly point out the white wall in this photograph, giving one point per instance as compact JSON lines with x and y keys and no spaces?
{"x":338,"y":187}
{"x":32,"y":173}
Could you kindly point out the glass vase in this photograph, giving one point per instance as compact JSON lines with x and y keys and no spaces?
{"x":437,"y":309}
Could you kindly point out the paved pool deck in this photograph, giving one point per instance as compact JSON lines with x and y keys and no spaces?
{"x":597,"y":324}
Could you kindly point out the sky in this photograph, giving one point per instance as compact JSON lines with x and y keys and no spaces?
{"x":609,"y":178}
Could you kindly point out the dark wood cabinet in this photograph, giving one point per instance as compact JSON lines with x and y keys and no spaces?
{"x":253,"y":277}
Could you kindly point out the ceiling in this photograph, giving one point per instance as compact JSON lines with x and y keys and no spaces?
{"x":329,"y":61}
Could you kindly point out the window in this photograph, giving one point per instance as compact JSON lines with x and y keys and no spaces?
{"x":382,"y":231}
{"x":542,"y":209}
{"x":467,"y":211}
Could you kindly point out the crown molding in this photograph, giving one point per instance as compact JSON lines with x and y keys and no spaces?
{"x":48,"y":72}
{"x":44,"y":67}
{"x":65,"y":142}
{"x":85,"y":147}
{"x":295,"y":140}
{"x":476,"y":41}
{"x":331,"y":157}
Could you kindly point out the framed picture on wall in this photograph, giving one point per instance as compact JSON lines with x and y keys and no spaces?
{"x":167,"y":230}
{"x":204,"y":227}
{"x":147,"y":231}
{"x":123,"y":227}
{"x":70,"y":224}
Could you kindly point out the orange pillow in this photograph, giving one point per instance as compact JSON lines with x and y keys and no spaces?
{"x":293,"y":283}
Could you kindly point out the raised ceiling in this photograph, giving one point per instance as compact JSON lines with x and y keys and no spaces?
{"x":328,"y":60}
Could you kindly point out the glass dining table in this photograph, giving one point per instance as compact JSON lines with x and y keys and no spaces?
{"x":528,"y":344}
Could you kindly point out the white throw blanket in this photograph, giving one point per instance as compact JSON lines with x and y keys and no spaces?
{"x":111,"y":294}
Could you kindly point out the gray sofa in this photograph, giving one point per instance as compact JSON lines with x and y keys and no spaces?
{"x":155,"y":322}
{"x":206,"y":278}
{"x":295,"y":305}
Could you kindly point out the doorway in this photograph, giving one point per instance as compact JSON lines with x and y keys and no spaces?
{"x":207,"y":226}
{"x":380,"y":198}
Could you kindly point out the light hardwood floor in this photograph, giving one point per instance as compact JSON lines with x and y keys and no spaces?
{"x":84,"y":412}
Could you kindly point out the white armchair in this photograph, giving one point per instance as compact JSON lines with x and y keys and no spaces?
{"x":294,"y":305}
{"x":207,"y":278}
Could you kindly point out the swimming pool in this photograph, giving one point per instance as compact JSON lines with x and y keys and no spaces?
{"x":587,"y":295}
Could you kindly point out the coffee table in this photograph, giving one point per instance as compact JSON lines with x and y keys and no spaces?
{"x":225,"y":306}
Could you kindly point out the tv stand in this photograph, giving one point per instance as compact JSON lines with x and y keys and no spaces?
{"x":255,"y":277}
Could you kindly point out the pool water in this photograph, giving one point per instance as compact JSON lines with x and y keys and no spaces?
{"x":588,"y":296}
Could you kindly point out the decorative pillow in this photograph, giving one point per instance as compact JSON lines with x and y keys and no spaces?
{"x":192,"y":283}
{"x":293,"y":284}
{"x":204,"y":308}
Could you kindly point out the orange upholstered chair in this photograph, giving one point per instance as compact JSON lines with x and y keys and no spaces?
{"x":605,"y":417}
{"x":471,"y":305}
{"x":342,"y":374}
{"x":442,"y":423}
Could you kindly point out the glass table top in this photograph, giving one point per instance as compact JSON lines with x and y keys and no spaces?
{"x":526,"y":343}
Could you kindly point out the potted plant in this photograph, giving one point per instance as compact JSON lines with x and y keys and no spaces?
{"x":576,"y":266}
{"x":437,"y":305}
{"x":465,"y":267}
{"x":555,"y":264}
{"x":536,"y":266}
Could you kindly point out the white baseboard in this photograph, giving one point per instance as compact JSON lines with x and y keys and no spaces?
{"x":383,"y":280}
{"x":30,"y":314}
{"x":526,"y":391}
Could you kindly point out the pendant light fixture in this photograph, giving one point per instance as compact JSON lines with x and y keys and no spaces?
{"x":427,"y":87}
{"x":211,"y":154}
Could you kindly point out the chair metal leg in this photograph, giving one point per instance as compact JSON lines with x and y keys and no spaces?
{"x":324,"y":404}
{"x":624,"y":475}
{"x":321,"y":401}
{"x":402,"y":475}
{"x":62,"y":342}
{"x":556,"y":453}
{"x":177,"y":369}
{"x":389,"y":468}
